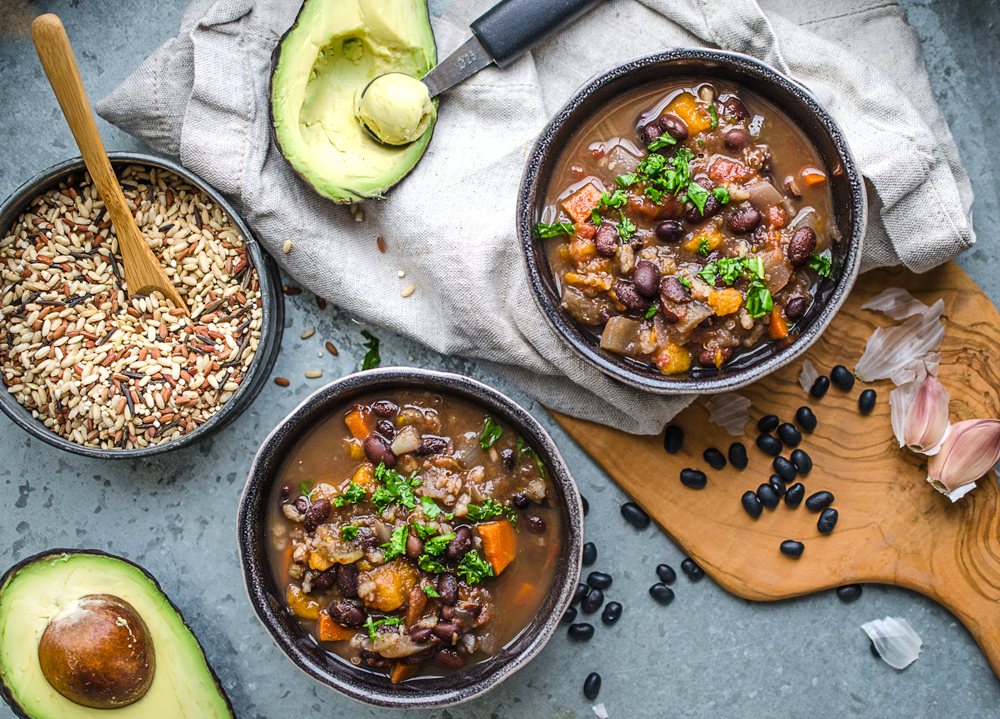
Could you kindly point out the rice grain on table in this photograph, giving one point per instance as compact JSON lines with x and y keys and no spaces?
{"x":106,"y":370}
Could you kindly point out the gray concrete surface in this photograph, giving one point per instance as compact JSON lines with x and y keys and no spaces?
{"x":708,"y":654}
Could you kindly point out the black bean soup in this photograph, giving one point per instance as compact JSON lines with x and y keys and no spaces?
{"x":690,"y":223}
{"x":414,"y":534}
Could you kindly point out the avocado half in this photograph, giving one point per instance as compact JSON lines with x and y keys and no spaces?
{"x":36,"y":589}
{"x":318,"y":71}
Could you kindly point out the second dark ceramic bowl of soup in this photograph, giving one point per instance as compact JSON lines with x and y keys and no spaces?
{"x":410,"y":538}
{"x":725,"y":299}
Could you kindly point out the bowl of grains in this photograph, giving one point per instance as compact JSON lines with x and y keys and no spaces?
{"x":91,"y":370}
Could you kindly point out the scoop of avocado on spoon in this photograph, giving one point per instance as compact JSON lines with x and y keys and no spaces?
{"x":397,"y":109}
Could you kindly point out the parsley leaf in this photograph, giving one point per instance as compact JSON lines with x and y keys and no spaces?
{"x":759,"y":301}
{"x":651,"y":311}
{"x":491,"y":434}
{"x":685,"y":281}
{"x":305,"y":488}
{"x":438,"y":544}
{"x":698,"y":195}
{"x":822,"y":263}
{"x":654,"y":194}
{"x":352,"y":495}
{"x":349,"y":532}
{"x":431,"y":592}
{"x":595,"y":217}
{"x":490,"y":509}
{"x":664,"y":140}
{"x":396,"y":488}
{"x":626,"y":229}
{"x":522,"y":448}
{"x":373,"y":626}
{"x":424,"y":532}
{"x":722,"y":195}
{"x":372,"y":357}
{"x":627,"y":180}
{"x":473,"y":568}
{"x":431,"y":510}
{"x":616,"y":199}
{"x":755,"y":266}
{"x":715,"y":116}
{"x":704,"y":246}
{"x":428,"y":564}
{"x":397,"y":544}
{"x":554,"y":229}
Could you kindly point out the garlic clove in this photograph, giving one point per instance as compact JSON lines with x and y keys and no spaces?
{"x":970,"y":450}
{"x":927,"y":417}
{"x":895,"y":641}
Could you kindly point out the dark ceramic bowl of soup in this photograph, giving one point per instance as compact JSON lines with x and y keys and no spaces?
{"x":410,"y":538}
{"x":691,"y":221}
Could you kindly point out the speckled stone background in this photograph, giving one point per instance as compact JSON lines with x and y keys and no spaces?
{"x":708,"y":654}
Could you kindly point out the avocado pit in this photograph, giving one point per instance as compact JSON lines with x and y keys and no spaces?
{"x":97,"y":652}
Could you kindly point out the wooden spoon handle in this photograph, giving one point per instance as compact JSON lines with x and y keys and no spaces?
{"x":143,"y":271}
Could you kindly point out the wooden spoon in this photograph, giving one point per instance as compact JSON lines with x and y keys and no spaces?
{"x":143,"y":272}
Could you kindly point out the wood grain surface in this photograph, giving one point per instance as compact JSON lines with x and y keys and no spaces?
{"x":894,"y":528}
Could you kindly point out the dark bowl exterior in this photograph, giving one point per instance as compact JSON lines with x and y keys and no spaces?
{"x":266,"y":595}
{"x":850,"y":204}
{"x":272,"y":324}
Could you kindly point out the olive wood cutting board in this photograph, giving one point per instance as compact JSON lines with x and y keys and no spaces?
{"x":894,"y":528}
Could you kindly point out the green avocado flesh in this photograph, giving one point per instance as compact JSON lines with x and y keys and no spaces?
{"x":325,"y":61}
{"x":183,"y":685}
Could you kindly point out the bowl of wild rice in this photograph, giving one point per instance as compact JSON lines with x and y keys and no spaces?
{"x":93,"y":371}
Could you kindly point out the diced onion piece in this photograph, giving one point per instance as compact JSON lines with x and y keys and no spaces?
{"x":763,"y":195}
{"x":897,"y":303}
{"x":729,"y":411}
{"x":961,"y":491}
{"x":807,"y":376}
{"x":407,"y":440}
{"x":600,"y":711}
{"x":621,"y":335}
{"x":895,"y":641}
{"x":889,"y":350}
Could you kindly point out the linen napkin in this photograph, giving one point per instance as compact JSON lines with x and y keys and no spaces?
{"x":202,"y":98}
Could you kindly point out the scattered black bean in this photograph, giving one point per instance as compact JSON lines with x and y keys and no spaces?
{"x":785,"y":469}
{"x":582,"y":590}
{"x":414,"y":547}
{"x":819,"y":501}
{"x":661,"y":593}
{"x":646,"y":278}
{"x":792,"y":548}
{"x":385,"y":408}
{"x":586,"y":505}
{"x":693,"y":478}
{"x":589,"y":554}
{"x":752,"y":504}
{"x":447,"y":586}
{"x":820,"y":386}
{"x":715,"y":458}
{"x":438,"y":445}
{"x":592,"y":602}
{"x":507,"y":456}
{"x":768,"y":423}
{"x":570,"y":616}
{"x":378,"y":451}
{"x":635,"y":515}
{"x":592,"y":686}
{"x":802,"y":461}
{"x":767,"y":496}
{"x":347,"y":613}
{"x":326,"y":578}
{"x":460,"y":544}
{"x":521,"y":500}
{"x":738,"y":455}
{"x":801,"y":245}
{"x":789,"y":435}
{"x":827,"y":520}
{"x":794,"y":495}
{"x":669,"y":231}
{"x":582,"y":632}
{"x":806,"y":419}
{"x":302,"y":505}
{"x":849,"y":593}
{"x":673,"y":438}
{"x":866,"y":402}
{"x":674,"y":126}
{"x":692,"y":570}
{"x":317,"y":514}
{"x":612,"y":611}
{"x":599,"y":580}
{"x":777,"y":484}
{"x":387,"y":429}
{"x":666,"y":573}
{"x":769,"y":444}
{"x":534,"y":523}
{"x":842,"y":377}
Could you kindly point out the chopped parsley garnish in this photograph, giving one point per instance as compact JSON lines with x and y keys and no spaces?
{"x":489,"y":509}
{"x":755,"y":266}
{"x":722,"y":195}
{"x":372,"y":357}
{"x":651,"y":311}
{"x":822,"y":263}
{"x":304,"y":487}
{"x":373,"y":626}
{"x":429,"y":564}
{"x":715,"y":116}
{"x":523,"y":448}
{"x":759,"y":301}
{"x":704,"y":247}
{"x":396,"y":488}
{"x":731,"y":268}
{"x":431,"y":510}
{"x":627,"y":180}
{"x":554,"y":229}
{"x":397,"y":544}
{"x":352,"y":495}
{"x":424,"y":531}
{"x":348,"y":533}
{"x":701,"y":143}
{"x":616,"y":199}
{"x":595,"y":217}
{"x":626,"y":229}
{"x":438,"y":544}
{"x":685,"y":281}
{"x":664,"y":140}
{"x":491,"y":434}
{"x":473,"y":568}
{"x":431,"y":592}
{"x":698,"y":195}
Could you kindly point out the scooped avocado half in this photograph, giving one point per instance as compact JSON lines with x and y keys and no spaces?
{"x":86,"y":635}
{"x":320,"y":68}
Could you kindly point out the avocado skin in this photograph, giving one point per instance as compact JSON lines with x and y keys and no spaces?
{"x":5,"y":691}
{"x":358,"y":195}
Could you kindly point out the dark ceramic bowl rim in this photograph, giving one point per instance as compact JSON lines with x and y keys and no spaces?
{"x":272,"y":321}
{"x":538,"y":273}
{"x":251,"y":530}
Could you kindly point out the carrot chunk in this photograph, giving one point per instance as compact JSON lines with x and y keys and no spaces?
{"x":302,"y":604}
{"x":694,"y":113}
{"x":579,"y":205}
{"x":329,"y":631}
{"x":811,"y":176}
{"x":777,"y":328}
{"x":498,"y":544}
{"x":358,"y":423}
{"x":401,"y":672}
{"x":365,"y":476}
{"x":674,"y":358}
{"x":726,"y":301}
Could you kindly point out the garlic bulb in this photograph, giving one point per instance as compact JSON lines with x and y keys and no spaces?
{"x":970,"y":450}
{"x":927,"y":417}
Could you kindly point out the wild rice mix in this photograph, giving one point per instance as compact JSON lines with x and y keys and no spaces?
{"x":106,"y":371}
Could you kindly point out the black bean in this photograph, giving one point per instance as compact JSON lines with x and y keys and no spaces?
{"x":806,"y":419}
{"x":801,"y":246}
{"x":570,"y":616}
{"x":347,"y":580}
{"x":286,"y":491}
{"x":649,"y":132}
{"x":738,"y":455}
{"x":437,"y":445}
{"x":802,"y":461}
{"x":752,"y":504}
{"x":302,"y":505}
{"x":635,"y":515}
{"x":629,"y":296}
{"x":693,"y":478}
{"x":449,"y":658}
{"x":790,"y":187}
{"x":673,"y":290}
{"x":789,"y":435}
{"x":737,"y":139}
{"x":715,"y":458}
{"x":534,"y":523}
{"x":767,"y":496}
{"x":769,"y":444}
{"x":387,"y":429}
{"x":460,"y":544}
{"x":692,"y":570}
{"x":827,"y":520}
{"x":792,"y":548}
{"x":592,"y":602}
{"x":507,"y":456}
{"x":347,"y":613}
{"x":794,"y":495}
{"x":582,"y":590}
{"x":421,"y":634}
{"x":447,"y":632}
{"x":377,"y":449}
{"x":820,"y":386}
{"x":612,"y":611}
{"x":734,"y":110}
{"x":768,"y":423}
{"x":606,"y":239}
{"x":385,"y":408}
{"x":849,"y":593}
{"x":599,"y":580}
{"x":842,"y":377}
{"x":582,"y":632}
{"x":586,"y":505}
{"x":592,"y":686}
{"x":521,"y":500}
{"x":674,"y":126}
{"x":819,"y":501}
{"x":673,"y":438}
{"x":777,"y":484}
{"x":589,"y":554}
{"x":784,"y":469}
{"x":743,"y":220}
{"x":712,"y":208}
{"x":447,"y":586}
{"x":669,"y":231}
{"x":317,"y":514}
{"x":414,"y":546}
{"x":661,"y":593}
{"x":326,"y":579}
{"x":666,"y":573}
{"x":646,"y":278}
{"x":866,"y":402}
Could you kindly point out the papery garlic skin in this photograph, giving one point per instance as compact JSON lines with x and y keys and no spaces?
{"x":970,"y":450}
{"x":927,"y":417}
